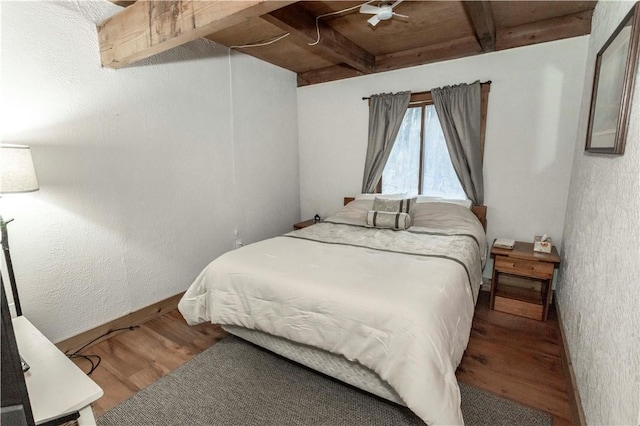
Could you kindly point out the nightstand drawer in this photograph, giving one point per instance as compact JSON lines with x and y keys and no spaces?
{"x":522,"y":267}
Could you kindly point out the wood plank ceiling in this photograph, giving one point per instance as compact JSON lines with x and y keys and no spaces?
{"x":349,"y":46}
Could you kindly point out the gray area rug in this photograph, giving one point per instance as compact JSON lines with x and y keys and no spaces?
{"x":237,"y":383}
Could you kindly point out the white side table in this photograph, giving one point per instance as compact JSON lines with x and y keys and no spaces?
{"x":55,"y":384}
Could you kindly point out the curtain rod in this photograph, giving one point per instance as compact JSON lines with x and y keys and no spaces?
{"x":366,"y":98}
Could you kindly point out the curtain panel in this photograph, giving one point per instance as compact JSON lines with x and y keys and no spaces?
{"x":459,"y":112}
{"x":386,"y":112}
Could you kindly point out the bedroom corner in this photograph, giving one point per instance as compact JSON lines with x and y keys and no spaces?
{"x":139,"y":168}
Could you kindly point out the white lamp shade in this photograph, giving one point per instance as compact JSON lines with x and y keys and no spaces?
{"x":17,"y":173}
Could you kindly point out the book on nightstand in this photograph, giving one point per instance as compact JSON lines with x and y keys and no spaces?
{"x":504,"y":243}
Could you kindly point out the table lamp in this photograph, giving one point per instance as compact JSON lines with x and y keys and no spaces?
{"x":17,"y":174}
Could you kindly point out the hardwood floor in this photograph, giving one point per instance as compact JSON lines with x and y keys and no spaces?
{"x":516,"y":358}
{"x":134,"y":359}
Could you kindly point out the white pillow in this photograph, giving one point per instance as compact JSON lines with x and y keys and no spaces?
{"x":354,"y":213}
{"x":429,"y":199}
{"x":439,"y":215}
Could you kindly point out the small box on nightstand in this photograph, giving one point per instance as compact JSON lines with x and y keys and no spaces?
{"x":542,"y":246}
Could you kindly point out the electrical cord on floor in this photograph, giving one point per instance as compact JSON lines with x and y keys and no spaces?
{"x":95,"y":364}
{"x":88,"y":358}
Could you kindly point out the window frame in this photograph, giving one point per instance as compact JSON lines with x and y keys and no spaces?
{"x":423,"y":99}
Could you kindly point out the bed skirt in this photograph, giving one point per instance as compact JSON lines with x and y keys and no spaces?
{"x":333,"y":365}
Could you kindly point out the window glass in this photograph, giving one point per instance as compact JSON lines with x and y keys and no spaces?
{"x":401,"y":173}
{"x":439,"y":179}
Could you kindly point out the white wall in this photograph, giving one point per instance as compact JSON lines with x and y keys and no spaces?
{"x":145,"y":172}
{"x":265,"y":112}
{"x":599,"y":286}
{"x":532,"y":119}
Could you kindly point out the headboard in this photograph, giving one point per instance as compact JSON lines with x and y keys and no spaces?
{"x":478,"y":210}
{"x":481,"y":213}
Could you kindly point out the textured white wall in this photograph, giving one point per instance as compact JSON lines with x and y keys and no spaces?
{"x":145,"y":172}
{"x":265,"y":124}
{"x":599,"y":285}
{"x":531,"y":126}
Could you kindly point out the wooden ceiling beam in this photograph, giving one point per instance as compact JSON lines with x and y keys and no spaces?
{"x":482,"y":19}
{"x":567,"y":26}
{"x":296,"y":20}
{"x":451,"y":49}
{"x":447,"y":50}
{"x":147,"y":28}
{"x":322,"y":75}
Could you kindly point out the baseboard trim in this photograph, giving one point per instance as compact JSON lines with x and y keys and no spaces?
{"x":575,"y":403}
{"x":138,"y":317}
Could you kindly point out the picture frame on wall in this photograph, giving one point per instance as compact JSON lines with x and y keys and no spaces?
{"x":613,"y":83}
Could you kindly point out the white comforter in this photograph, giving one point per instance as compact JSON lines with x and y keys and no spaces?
{"x":400,"y":303}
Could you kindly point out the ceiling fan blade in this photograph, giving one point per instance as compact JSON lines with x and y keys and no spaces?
{"x":396,"y":3}
{"x":400,"y":16}
{"x":374,"y":20}
{"x":367,"y":8}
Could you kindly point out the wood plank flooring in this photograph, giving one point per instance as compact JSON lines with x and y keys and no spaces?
{"x":516,"y":358}
{"x":134,"y":359}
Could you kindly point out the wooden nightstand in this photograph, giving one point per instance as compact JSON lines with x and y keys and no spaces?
{"x":304,"y":224}
{"x":523,"y":265}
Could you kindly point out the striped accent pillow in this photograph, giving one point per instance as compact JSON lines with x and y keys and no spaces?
{"x":404,"y":205}
{"x":388,"y":220}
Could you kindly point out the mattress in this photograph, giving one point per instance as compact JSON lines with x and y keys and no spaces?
{"x":333,"y":365}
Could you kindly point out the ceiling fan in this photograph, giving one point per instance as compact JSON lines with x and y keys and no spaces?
{"x":382,"y":12}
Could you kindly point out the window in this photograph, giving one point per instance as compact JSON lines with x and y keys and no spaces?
{"x":419,"y":162}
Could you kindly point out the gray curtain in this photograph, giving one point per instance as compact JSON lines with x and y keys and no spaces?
{"x":458,"y":110}
{"x":386,"y":112}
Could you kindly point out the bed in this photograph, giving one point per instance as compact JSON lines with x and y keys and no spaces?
{"x":388,"y":311}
